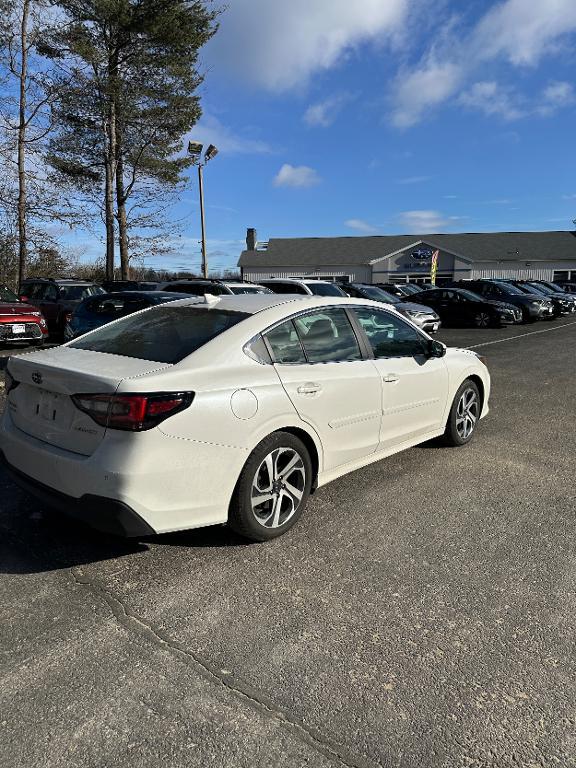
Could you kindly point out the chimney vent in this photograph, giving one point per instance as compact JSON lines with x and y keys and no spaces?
{"x":251,"y":239}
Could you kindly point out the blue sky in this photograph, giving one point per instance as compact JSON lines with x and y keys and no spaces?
{"x":385,"y":116}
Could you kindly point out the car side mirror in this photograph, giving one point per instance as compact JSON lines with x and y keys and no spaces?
{"x":436,"y":348}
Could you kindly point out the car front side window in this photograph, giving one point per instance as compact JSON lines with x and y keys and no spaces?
{"x":389,"y":336}
{"x":328,"y":337}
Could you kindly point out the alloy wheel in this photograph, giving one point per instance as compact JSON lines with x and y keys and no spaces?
{"x":467,"y":412}
{"x":482,"y":320}
{"x":278,"y":487}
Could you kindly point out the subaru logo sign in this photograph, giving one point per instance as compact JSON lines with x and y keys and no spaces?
{"x":37,"y":377}
{"x":422,"y":254}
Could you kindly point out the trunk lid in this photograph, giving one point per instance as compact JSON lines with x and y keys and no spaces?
{"x":41,"y":405}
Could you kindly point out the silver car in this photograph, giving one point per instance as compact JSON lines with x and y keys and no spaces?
{"x":424,"y":317}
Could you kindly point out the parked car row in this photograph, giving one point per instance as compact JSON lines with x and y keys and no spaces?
{"x":493,"y":302}
{"x":68,"y":308}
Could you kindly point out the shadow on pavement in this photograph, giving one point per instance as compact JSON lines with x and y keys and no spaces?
{"x":35,"y":538}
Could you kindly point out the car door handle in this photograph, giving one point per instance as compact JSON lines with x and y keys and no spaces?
{"x":310,"y":388}
{"x":390,"y":378}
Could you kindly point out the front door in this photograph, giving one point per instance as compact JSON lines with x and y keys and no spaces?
{"x":415,"y":386}
{"x":333,"y":389}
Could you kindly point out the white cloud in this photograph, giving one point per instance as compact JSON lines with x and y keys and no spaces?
{"x":324,"y":113}
{"x":492,"y":99}
{"x":523,"y":31}
{"x":423,"y":89}
{"x":420,"y":222}
{"x":296,"y":176}
{"x":279,"y":45}
{"x":209,"y":130}
{"x":361,"y":226}
{"x":556,"y":96}
{"x":519,"y":32}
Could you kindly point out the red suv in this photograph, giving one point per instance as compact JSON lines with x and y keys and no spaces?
{"x":19,"y":322}
{"x":57,"y":299}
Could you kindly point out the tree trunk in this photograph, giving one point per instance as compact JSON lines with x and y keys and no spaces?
{"x":110,"y":164}
{"x":121,"y":212}
{"x":109,"y":196}
{"x":21,"y":146}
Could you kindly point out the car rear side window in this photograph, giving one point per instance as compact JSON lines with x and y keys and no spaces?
{"x":285,"y":344}
{"x":164,"y":334}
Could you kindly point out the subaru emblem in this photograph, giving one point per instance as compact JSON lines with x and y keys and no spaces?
{"x":422,"y":254}
{"x":37,"y":377}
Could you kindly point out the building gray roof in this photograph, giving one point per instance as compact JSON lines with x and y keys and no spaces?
{"x":334,"y":251}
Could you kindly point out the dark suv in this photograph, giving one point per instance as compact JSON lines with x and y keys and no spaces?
{"x":534,"y":306}
{"x":57,"y":299}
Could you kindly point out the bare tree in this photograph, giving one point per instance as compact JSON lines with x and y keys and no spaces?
{"x":25,"y":124}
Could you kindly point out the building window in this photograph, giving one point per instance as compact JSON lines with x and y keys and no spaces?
{"x":562,"y":274}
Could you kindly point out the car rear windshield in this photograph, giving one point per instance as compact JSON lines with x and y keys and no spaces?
{"x":79,"y":292}
{"x":163,"y":334}
{"x":249,"y":289}
{"x":6,"y":295}
{"x":325,"y":289}
{"x":512,"y":290}
{"x":378,"y":294}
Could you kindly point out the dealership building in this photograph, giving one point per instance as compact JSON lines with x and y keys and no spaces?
{"x":393,"y":258}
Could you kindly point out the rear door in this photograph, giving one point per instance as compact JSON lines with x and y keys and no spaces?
{"x":318,"y":359}
{"x":415,"y":386}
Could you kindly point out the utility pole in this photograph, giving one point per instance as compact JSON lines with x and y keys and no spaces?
{"x":195,"y":149}
{"x":202,"y":222}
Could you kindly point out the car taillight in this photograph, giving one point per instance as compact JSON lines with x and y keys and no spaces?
{"x":10,"y":381}
{"x":134,"y":413}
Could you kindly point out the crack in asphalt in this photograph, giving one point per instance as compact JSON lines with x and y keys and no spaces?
{"x":133,"y":623}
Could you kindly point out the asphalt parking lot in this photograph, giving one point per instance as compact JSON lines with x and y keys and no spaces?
{"x":422,"y":613}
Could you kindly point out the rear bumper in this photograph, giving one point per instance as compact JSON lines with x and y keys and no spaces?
{"x":165,"y":483}
{"x":106,"y":515}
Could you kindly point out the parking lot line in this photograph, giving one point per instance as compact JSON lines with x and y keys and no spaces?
{"x":520,"y":336}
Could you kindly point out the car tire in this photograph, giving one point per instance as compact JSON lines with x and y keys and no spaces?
{"x":464,"y":415}
{"x":483,"y":319}
{"x":527,"y":317}
{"x":278,"y":474}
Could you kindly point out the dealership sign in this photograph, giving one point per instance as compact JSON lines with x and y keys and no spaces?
{"x":422,"y":254}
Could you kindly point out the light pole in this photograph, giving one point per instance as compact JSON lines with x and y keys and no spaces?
{"x":195,"y":150}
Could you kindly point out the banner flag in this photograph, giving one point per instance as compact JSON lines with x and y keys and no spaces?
{"x":434,"y":267}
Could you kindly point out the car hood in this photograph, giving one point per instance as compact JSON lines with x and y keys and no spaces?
{"x":413,"y":307}
{"x":531,"y":297}
{"x":499,"y":304}
{"x":13,"y":308}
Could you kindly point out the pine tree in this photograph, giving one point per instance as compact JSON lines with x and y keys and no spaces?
{"x":126,"y":101}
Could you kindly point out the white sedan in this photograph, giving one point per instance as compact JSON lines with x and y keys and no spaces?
{"x":229,"y":409}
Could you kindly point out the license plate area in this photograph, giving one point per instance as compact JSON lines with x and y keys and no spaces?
{"x":49,"y":406}
{"x":18,"y":329}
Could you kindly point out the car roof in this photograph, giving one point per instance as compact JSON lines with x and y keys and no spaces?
{"x":253,"y":303}
{"x":295,"y":280}
{"x":141,"y":294}
{"x":59,"y":281}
